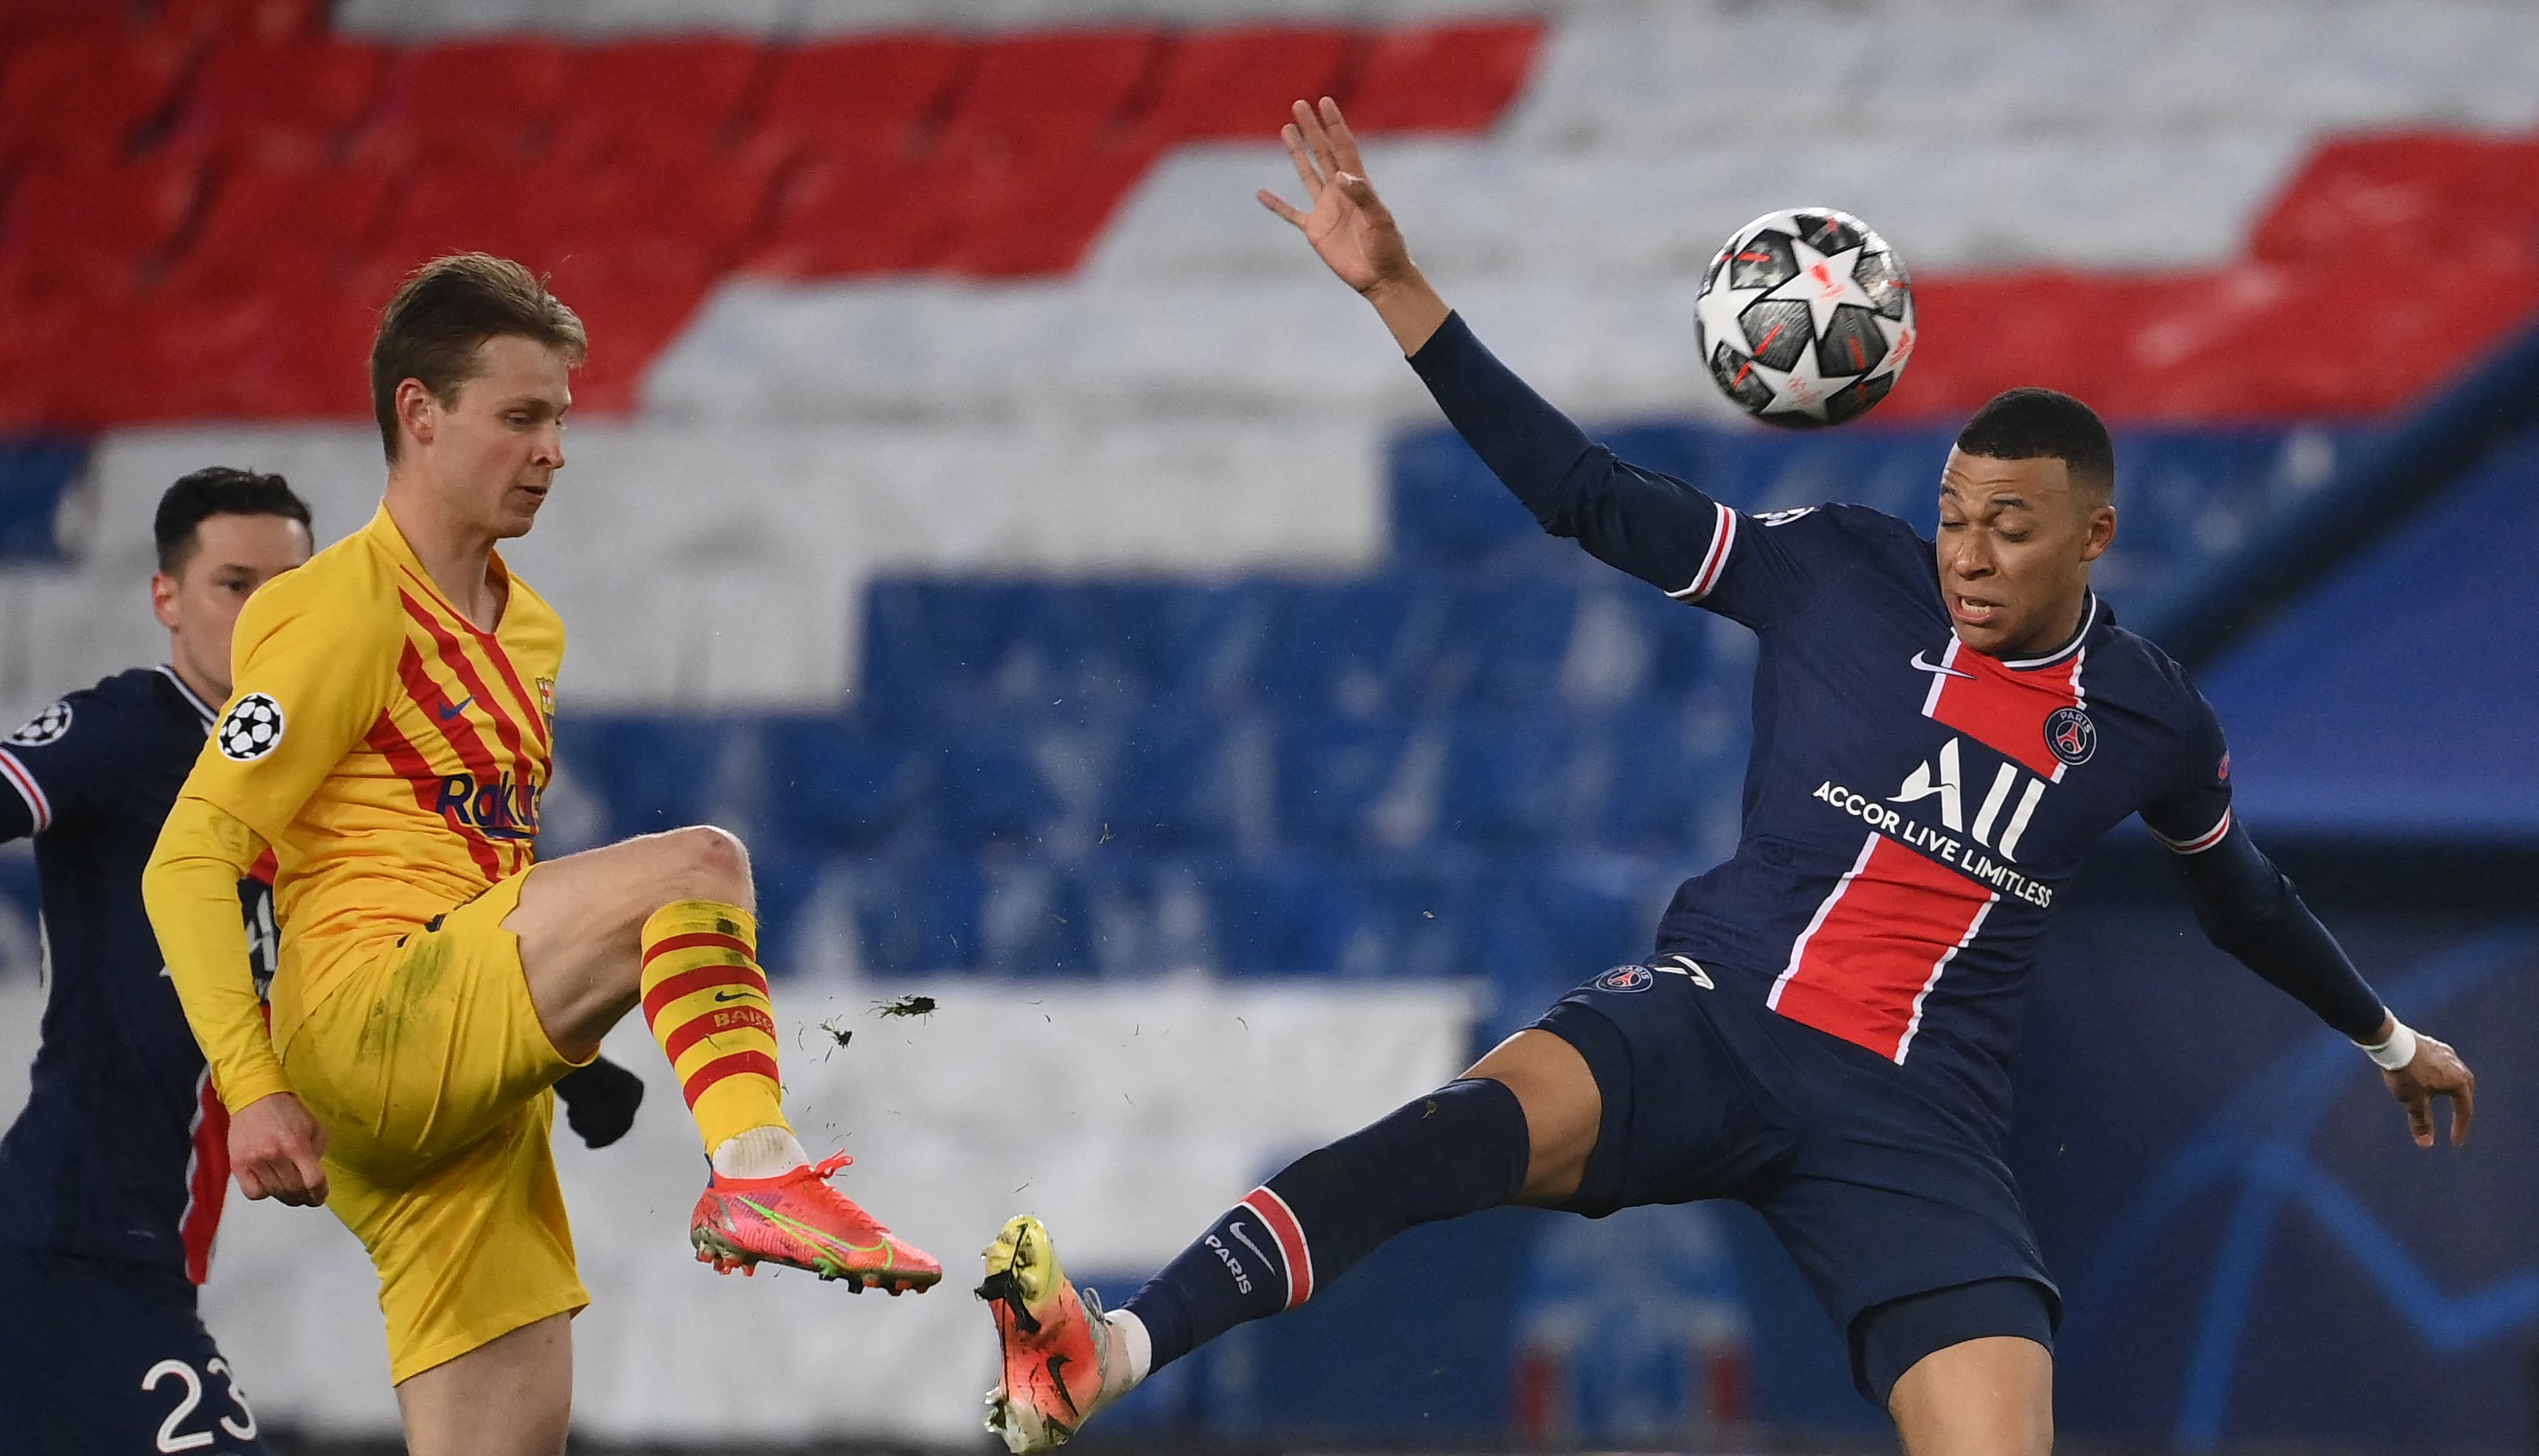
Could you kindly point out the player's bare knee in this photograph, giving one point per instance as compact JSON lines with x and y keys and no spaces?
{"x":703,"y":862}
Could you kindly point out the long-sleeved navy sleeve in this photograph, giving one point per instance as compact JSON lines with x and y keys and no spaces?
{"x":1660,"y":529}
{"x":46,"y":765}
{"x":2249,"y":908}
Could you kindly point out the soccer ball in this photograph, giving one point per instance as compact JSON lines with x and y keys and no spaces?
{"x":252,"y":728}
{"x":1806,"y":318}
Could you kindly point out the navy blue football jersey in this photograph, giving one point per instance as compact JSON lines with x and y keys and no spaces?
{"x":123,"y":1150}
{"x":1912,"y":808}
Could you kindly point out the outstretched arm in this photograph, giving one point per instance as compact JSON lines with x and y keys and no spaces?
{"x":2249,"y":908}
{"x":1654,"y":527}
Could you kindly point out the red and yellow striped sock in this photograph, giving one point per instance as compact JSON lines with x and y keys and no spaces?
{"x":707,"y":1002}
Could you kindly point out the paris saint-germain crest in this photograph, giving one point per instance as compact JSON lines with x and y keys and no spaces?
{"x":1626,"y":978}
{"x":2071,"y":734}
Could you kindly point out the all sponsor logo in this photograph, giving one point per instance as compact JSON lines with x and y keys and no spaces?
{"x":1982,"y":846}
{"x":2071,"y":735}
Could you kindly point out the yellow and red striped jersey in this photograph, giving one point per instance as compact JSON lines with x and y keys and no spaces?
{"x":389,"y":750}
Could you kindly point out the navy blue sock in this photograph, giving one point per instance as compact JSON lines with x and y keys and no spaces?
{"x":1458,"y":1150}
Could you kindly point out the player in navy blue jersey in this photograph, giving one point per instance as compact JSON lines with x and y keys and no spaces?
{"x":1942,"y":727}
{"x":113,"y":1178}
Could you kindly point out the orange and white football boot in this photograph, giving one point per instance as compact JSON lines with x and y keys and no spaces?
{"x":798,"y":1221}
{"x":1063,"y":1361}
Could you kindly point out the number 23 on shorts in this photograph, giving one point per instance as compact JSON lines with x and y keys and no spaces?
{"x":172,"y":1437}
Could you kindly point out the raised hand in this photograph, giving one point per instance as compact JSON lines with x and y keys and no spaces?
{"x":1350,"y":227}
{"x":2436,"y":1072}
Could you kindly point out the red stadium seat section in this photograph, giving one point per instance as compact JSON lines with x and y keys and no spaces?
{"x":468,"y":101}
{"x":236,"y":249}
{"x":203,"y":202}
{"x":87,"y":228}
{"x":2307,"y":325}
{"x":1221,"y":84}
{"x":1441,"y":78}
{"x":234,"y":107}
{"x":197,"y":176}
{"x":84,"y":92}
{"x":644,"y":96}
{"x":852,"y":210}
{"x":2392,"y":196}
{"x":248,"y":20}
{"x":25,"y":20}
{"x":860,"y":96}
{"x":1036,"y":101}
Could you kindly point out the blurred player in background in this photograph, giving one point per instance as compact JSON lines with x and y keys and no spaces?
{"x":113,"y":1178}
{"x":1941,"y":729}
{"x":387,"y":737}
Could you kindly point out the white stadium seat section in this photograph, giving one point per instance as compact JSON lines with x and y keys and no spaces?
{"x":1297,"y":350}
{"x":1663,"y":74}
{"x":1152,"y":1105}
{"x":1647,"y":214}
{"x":724,"y":566}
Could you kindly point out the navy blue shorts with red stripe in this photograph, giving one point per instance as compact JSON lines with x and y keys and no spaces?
{"x":1876,"y":1192}
{"x":104,"y":1357}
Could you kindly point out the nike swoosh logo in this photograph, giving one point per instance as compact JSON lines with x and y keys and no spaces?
{"x":1053,"y":1365}
{"x":1927,"y":665}
{"x":735,"y":996}
{"x":449,"y":710}
{"x":1236,"y":1228}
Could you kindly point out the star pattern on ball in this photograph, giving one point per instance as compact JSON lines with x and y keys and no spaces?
{"x":1824,"y":282}
{"x":1792,"y":392}
{"x":1717,"y":312}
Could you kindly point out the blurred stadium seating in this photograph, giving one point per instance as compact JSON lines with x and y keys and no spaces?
{"x":998,"y":520}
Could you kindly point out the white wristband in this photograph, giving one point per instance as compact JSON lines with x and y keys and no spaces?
{"x":2395,"y":1054}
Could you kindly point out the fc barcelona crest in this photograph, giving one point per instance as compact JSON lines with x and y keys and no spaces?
{"x":546,"y":700}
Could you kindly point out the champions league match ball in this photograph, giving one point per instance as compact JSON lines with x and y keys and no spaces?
{"x":1806,"y":318}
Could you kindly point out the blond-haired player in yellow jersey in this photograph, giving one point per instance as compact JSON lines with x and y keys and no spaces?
{"x":390,"y":731}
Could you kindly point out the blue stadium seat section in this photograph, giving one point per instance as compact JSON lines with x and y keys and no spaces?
{"x":2350,"y":712}
{"x":1492,"y":757}
{"x":36,"y":472}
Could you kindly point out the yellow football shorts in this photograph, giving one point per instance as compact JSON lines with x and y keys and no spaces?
{"x":432,"y":1075}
